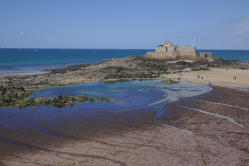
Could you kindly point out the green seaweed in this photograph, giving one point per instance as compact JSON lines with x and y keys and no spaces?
{"x":169,"y":81}
{"x":60,"y":101}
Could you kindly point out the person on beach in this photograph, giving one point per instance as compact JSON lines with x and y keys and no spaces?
{"x":234,"y":77}
{"x":209,"y":83}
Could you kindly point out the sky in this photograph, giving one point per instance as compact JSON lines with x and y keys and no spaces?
{"x":124,"y":24}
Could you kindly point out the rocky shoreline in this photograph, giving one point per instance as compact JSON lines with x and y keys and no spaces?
{"x":15,"y":89}
{"x":60,"y":101}
{"x":15,"y":96}
{"x":132,"y":67}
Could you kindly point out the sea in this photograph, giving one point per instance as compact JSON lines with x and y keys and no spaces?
{"x":127,"y":96}
{"x":32,"y":61}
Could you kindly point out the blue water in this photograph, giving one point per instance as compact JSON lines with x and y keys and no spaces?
{"x":128,"y":96}
{"x":37,"y":60}
{"x":124,"y":90}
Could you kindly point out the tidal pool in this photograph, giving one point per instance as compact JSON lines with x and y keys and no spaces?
{"x":147,"y":92}
{"x":128,"y":96}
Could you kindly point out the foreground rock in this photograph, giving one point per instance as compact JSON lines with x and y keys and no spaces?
{"x":60,"y":101}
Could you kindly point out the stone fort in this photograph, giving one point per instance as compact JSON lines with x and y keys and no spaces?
{"x":169,"y":50}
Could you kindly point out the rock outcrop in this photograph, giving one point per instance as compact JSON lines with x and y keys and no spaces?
{"x":140,"y":67}
{"x":60,"y":101}
{"x":169,"y":81}
{"x":9,"y":89}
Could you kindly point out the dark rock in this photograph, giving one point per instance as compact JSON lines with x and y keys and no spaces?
{"x":81,"y":98}
{"x":181,"y":63}
{"x":60,"y":101}
{"x":169,"y":81}
{"x":9,"y":89}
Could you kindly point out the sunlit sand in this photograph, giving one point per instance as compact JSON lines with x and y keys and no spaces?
{"x":218,"y":77}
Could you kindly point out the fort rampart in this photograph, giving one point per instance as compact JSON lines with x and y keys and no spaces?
{"x":169,"y":50}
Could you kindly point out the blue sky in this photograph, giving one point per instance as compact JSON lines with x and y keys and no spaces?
{"x":134,"y":24}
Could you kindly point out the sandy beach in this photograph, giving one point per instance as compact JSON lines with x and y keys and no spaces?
{"x":211,"y":129}
{"x":217,"y":77}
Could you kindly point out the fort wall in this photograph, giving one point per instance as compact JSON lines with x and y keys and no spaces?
{"x":161,"y":49}
{"x":169,"y":54}
{"x":187,"y":49}
{"x":171,"y":48}
{"x":203,"y":54}
{"x":168,"y":50}
{"x":161,"y":54}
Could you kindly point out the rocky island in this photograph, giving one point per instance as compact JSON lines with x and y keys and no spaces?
{"x":167,"y":59}
{"x":14,"y":89}
{"x":132,"y":67}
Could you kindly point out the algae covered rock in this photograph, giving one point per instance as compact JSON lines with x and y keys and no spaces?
{"x":169,"y":81}
{"x":9,"y":89}
{"x":81,"y":98}
{"x":108,"y":99}
{"x":15,"y":96}
{"x":60,"y":101}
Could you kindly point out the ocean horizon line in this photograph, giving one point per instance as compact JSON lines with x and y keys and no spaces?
{"x":122,"y":49}
{"x":88,"y":48}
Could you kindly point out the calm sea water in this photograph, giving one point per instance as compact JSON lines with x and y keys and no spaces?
{"x":37,"y":60}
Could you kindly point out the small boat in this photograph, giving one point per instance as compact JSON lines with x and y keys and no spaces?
{"x":35,"y":50}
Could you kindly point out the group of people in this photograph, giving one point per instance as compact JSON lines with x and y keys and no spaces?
{"x":198,"y":76}
{"x":179,"y":78}
{"x":233,"y":77}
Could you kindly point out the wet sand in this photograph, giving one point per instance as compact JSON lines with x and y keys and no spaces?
{"x":211,"y":129}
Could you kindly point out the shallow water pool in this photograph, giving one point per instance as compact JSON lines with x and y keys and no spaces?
{"x":127,"y":96}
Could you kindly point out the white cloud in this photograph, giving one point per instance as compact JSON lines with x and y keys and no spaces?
{"x":21,"y":33}
{"x":51,"y":38}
